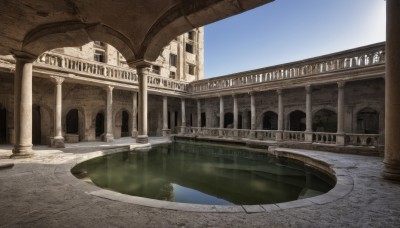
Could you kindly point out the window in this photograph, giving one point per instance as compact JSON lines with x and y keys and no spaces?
{"x":172,"y":74}
{"x":99,"y":56}
{"x":156,"y":69}
{"x":189,"y":48}
{"x":190,"y":35}
{"x":172,"y":59}
{"x":191,"y":69}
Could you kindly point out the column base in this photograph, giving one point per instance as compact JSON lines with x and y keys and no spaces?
{"x":107,"y":138}
{"x":279,"y":136}
{"x":134,"y":134}
{"x":391,"y":170}
{"x":252,"y":134}
{"x":308,"y":137}
{"x":166,"y":132}
{"x":142,"y":139}
{"x":340,"y":139}
{"x":57,"y":142}
{"x":22,"y":151}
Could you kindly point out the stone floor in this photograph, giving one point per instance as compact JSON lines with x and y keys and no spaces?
{"x":38,"y":192}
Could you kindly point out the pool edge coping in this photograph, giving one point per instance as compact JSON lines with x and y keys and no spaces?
{"x":344,"y":185}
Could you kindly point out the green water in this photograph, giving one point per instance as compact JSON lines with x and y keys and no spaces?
{"x":204,"y":174}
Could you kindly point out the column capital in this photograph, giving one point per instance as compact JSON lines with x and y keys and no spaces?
{"x":234,"y":95}
{"x":58,"y":80}
{"x":23,"y":56}
{"x":252,"y":93}
{"x":109,"y":88}
{"x":341,"y":84}
{"x":308,"y":88}
{"x":279,"y":91}
{"x":183,"y":99}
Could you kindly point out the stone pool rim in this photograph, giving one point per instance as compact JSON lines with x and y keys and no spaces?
{"x":344,"y":184}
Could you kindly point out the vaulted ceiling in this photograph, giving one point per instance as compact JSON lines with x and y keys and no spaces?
{"x":139,"y":29}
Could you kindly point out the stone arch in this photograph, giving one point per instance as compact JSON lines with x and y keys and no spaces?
{"x":99,"y":124}
{"x":122,"y":123}
{"x":270,"y":121}
{"x":74,"y":33}
{"x":228,"y":120}
{"x":297,"y":121}
{"x":3,"y":125}
{"x":367,"y":120}
{"x":81,"y":121}
{"x":325,"y":120}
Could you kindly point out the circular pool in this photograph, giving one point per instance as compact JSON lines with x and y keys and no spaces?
{"x":205,"y":174}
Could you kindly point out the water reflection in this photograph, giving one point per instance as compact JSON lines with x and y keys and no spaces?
{"x":204,"y":174}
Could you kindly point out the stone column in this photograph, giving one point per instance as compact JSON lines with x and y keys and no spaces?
{"x":392,"y":93}
{"x":58,"y":140}
{"x":183,"y":106}
{"x":221,"y":115}
{"x":198,"y":113}
{"x":235,"y":116}
{"x":134,"y":115}
{"x":143,"y":72}
{"x":165,"y":129}
{"x":108,"y":137}
{"x":340,"y":115}
{"x":279,"y":133}
{"x":23,"y":105}
{"x":253,"y":115}
{"x":308,"y":134}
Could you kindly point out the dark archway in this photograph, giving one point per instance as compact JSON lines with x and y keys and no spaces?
{"x":203,"y":119}
{"x":228,"y":120}
{"x":270,"y":121}
{"x":3,"y":125}
{"x":125,"y":124}
{"x":325,"y":121}
{"x":297,"y":121}
{"x":99,"y":124}
{"x":72,"y":122}
{"x":368,"y":121}
{"x":240,"y":124}
{"x":36,"y":125}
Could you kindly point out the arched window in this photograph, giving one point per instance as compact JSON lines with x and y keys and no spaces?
{"x":72,"y":122}
{"x":297,"y":121}
{"x":368,"y":121}
{"x":270,"y":121}
{"x":325,"y":121}
{"x":99,"y":124}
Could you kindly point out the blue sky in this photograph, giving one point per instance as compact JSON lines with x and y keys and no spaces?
{"x":290,"y":30}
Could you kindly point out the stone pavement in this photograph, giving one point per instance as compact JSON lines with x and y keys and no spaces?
{"x":41,"y":192}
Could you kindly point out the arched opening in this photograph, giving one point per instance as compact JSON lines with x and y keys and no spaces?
{"x":297,"y":121}
{"x":270,"y":121}
{"x":72,"y":122}
{"x":125,"y":124}
{"x":368,"y":121}
{"x":203,"y":119}
{"x":325,"y":121}
{"x":36,"y":125}
{"x":228,"y":120}
{"x":240,"y":119}
{"x":99,"y":124}
{"x":3,"y":125}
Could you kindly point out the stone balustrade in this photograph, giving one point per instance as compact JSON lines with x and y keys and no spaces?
{"x":93,"y":69}
{"x":363,"y":139}
{"x":325,"y":138}
{"x":294,"y":136}
{"x":350,"y":59}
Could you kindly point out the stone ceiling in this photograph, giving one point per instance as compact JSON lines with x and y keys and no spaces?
{"x":139,"y":29}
